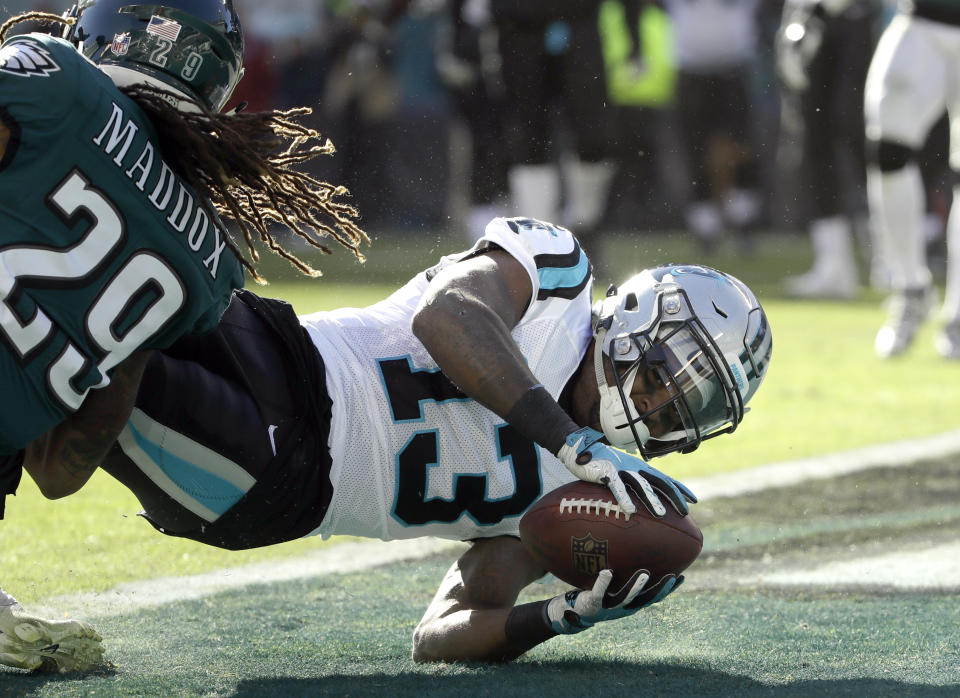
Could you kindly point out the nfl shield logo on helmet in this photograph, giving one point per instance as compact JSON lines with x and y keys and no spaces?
{"x":121,"y":44}
{"x":589,"y":554}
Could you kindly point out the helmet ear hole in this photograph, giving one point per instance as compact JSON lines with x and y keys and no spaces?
{"x":631,"y":302}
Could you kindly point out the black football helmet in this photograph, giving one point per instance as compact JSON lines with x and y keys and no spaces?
{"x":192,"y":47}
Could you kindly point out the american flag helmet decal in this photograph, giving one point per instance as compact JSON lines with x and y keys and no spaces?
{"x":166,"y":28}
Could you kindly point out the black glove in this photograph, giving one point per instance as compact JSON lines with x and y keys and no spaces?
{"x":11,"y":468}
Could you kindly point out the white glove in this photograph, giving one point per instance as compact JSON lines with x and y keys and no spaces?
{"x":34,"y":643}
{"x":578,"y":609}
{"x":587,"y":457}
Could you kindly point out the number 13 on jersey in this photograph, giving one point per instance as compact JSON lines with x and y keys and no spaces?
{"x":408,"y":390}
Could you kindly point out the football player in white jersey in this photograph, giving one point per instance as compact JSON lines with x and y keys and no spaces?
{"x":913,"y":77}
{"x":448,"y":409}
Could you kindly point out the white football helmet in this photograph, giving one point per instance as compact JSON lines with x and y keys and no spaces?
{"x":702,"y":333}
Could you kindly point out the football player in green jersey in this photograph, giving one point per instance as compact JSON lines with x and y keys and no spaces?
{"x":116,"y":165}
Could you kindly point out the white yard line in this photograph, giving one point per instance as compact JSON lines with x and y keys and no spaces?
{"x":890,"y":455}
{"x":936,"y":567}
{"x":353,"y":557}
{"x":337,"y":559}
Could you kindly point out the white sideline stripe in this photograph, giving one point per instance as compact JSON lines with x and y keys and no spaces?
{"x":338,"y":559}
{"x":890,"y":455}
{"x":353,"y":557}
{"x":936,"y":567}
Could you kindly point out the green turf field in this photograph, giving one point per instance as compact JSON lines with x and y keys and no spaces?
{"x":733,"y":629}
{"x":755,"y":617}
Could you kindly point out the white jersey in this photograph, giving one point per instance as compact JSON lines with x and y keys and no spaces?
{"x":412,"y":455}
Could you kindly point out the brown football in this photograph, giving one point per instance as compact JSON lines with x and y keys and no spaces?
{"x":577,"y":530}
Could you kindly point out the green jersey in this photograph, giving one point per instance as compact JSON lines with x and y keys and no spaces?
{"x":104,"y":249}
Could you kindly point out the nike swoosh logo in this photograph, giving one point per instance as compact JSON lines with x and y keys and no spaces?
{"x":270,"y":432}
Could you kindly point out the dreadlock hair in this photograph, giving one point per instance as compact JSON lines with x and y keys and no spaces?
{"x":243,"y":165}
{"x":44,"y":17}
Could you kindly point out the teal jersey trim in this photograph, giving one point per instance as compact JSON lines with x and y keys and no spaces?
{"x":553,"y":278}
{"x":210,"y":491}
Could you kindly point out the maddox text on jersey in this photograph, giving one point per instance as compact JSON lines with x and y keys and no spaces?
{"x":151,"y":174}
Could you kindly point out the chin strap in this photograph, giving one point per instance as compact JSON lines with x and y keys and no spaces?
{"x":613,"y":417}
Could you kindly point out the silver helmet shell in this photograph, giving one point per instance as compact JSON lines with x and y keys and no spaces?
{"x":703,"y":335}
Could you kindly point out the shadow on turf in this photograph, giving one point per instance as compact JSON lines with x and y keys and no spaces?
{"x":23,"y":684}
{"x":573,"y":679}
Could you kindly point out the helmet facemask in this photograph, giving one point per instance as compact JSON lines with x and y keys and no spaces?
{"x":693,"y":388}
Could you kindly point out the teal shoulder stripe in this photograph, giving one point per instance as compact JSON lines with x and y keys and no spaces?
{"x":563,"y":277}
{"x":563,"y":280}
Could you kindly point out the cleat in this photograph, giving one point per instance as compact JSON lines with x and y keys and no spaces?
{"x":40,"y":644}
{"x":947,"y":341}
{"x":906,"y":312}
{"x":705,"y":222}
{"x":834,"y":271}
{"x":821,"y":283}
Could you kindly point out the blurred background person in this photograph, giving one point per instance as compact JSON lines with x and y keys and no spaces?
{"x":914,"y":75}
{"x":641,"y":82}
{"x":554,"y":74}
{"x":367,"y":68}
{"x":359,"y":96}
{"x":823,"y":50}
{"x":469,"y":64}
{"x":716,"y":55}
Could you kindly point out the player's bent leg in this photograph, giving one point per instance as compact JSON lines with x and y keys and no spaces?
{"x":466,"y":621}
{"x":34,"y":643}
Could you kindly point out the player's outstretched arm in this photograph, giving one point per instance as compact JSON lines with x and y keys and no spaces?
{"x":464,"y":320}
{"x":63,"y":459}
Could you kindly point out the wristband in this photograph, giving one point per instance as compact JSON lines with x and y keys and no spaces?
{"x":538,"y":417}
{"x":528,"y":625}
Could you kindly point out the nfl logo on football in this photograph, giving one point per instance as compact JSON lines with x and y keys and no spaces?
{"x":589,"y":554}
{"x":121,"y":44}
